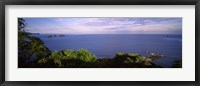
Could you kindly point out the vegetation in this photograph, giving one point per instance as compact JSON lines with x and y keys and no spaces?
{"x":177,"y":64}
{"x":68,"y":58}
{"x":30,"y":47}
{"x":82,"y":58}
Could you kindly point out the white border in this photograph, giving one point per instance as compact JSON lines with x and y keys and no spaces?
{"x":187,"y":73}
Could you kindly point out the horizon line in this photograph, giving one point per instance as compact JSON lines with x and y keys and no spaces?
{"x":112,"y":34}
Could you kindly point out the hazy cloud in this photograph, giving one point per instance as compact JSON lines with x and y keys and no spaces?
{"x":105,"y":25}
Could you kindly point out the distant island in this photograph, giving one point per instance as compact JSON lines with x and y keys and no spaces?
{"x":34,"y":33}
{"x":59,"y":35}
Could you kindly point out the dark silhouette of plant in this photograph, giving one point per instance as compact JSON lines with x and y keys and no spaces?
{"x":21,"y":24}
{"x":177,"y":64}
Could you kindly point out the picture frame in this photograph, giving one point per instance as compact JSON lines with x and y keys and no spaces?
{"x":99,"y":2}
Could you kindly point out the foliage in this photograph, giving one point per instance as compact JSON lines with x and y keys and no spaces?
{"x":132,"y":60}
{"x":134,"y":55}
{"x":21,"y":24}
{"x":177,"y":64}
{"x":82,"y":58}
{"x":69,"y":53}
{"x":29,"y":46}
{"x":86,"y":56}
{"x":69,"y":58}
{"x":42,"y":61}
{"x":119,"y":54}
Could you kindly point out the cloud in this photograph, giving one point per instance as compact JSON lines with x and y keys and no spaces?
{"x":108,"y":25}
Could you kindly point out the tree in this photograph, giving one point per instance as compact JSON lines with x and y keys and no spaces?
{"x":29,"y":46}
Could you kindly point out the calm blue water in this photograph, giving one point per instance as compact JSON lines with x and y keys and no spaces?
{"x":105,"y":46}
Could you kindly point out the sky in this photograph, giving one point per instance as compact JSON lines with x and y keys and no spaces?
{"x":111,"y":25}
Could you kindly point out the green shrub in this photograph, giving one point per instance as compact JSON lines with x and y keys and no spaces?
{"x":129,"y":60}
{"x":177,"y":64}
{"x":30,"y":46}
{"x":58,"y":62}
{"x":140,"y":59}
{"x":85,"y":55}
{"x":42,"y":61}
{"x":119,"y":54}
{"x":148,"y":61}
{"x":54,"y":55}
{"x":70,"y":58}
{"x":69,"y":54}
{"x":134,"y":55}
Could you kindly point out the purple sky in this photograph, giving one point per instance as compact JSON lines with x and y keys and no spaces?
{"x":105,"y":25}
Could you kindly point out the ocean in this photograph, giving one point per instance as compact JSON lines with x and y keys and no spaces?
{"x":106,"y":45}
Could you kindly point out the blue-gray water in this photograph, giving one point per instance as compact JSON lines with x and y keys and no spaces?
{"x":105,"y":46}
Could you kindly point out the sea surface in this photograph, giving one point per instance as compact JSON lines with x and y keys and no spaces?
{"x":106,"y":45}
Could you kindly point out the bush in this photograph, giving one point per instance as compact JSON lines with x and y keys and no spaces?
{"x":70,"y":58}
{"x":132,"y":60}
{"x":30,"y":46}
{"x":134,"y":55}
{"x":85,"y":55}
{"x":119,"y":54}
{"x":55,"y":55}
{"x":177,"y":64}
{"x":82,"y":58}
{"x":42,"y":61}
{"x":58,"y":62}
{"x":69,"y":54}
